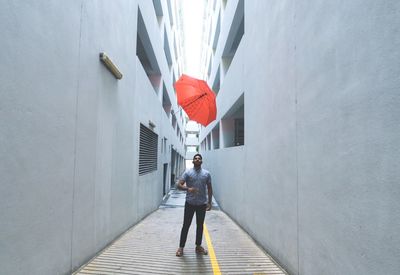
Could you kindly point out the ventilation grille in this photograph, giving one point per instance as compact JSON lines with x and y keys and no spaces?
{"x":147,"y":150}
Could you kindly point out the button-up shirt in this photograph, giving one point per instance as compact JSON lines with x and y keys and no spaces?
{"x":197,"y":178}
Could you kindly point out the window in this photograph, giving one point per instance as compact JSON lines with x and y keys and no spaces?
{"x":217,"y":82}
{"x":146,"y":55}
{"x":166,"y":102}
{"x":158,"y":9}
{"x":173,"y":120}
{"x":171,"y":19}
{"x":148,"y":148}
{"x":239,"y":131}
{"x":215,"y":137}
{"x":234,"y":37}
{"x":217,"y":32}
{"x":232,"y":125}
{"x":167,"y":50}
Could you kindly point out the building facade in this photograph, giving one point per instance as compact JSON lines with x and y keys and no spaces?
{"x":304,"y":153}
{"x":84,"y":155}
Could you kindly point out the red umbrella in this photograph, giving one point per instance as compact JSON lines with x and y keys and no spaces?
{"x":197,"y":99}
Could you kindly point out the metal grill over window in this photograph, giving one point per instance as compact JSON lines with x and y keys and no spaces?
{"x":148,"y":148}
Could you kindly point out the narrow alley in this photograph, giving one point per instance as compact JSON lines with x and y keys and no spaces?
{"x":293,"y":105}
{"x":149,"y":247}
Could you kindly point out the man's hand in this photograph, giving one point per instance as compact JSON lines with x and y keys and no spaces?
{"x":208,"y":208}
{"x":193,"y":190}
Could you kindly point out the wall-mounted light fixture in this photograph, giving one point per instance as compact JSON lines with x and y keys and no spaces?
{"x":110,"y":65}
{"x":152,"y":125}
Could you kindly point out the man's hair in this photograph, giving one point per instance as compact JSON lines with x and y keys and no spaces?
{"x":198,"y":155}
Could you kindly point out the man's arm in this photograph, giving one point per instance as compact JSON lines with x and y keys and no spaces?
{"x":181,"y":186}
{"x":210,"y":193}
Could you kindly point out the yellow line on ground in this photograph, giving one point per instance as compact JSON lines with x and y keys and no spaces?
{"x":211,"y":253}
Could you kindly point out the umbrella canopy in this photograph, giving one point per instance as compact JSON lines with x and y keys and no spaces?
{"x":197,"y":99}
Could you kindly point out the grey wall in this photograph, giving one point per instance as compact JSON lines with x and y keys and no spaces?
{"x":69,"y":132}
{"x":317,"y":181}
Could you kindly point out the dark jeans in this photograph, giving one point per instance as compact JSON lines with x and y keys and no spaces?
{"x":187,"y":220}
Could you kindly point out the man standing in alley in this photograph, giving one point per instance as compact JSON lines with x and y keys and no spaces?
{"x":196,"y":179}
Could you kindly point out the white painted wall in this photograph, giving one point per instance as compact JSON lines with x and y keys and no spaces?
{"x":69,"y":131}
{"x":316,"y":183}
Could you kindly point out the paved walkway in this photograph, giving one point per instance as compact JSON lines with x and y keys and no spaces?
{"x":149,"y":247}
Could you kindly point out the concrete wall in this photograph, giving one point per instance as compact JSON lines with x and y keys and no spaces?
{"x":69,"y":131}
{"x":316,"y":183}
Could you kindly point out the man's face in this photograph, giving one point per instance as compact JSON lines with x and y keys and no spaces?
{"x":197,"y":161}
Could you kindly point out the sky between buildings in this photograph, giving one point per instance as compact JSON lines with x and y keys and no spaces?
{"x":192,"y":11}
